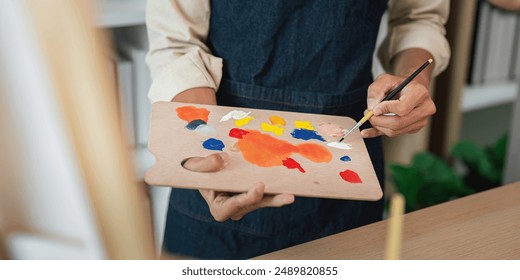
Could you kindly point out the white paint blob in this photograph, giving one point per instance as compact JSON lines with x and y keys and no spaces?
{"x":340,"y":145}
{"x":235,"y":114}
{"x":206,"y":130}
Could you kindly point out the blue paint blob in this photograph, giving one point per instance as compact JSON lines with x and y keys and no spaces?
{"x":306,"y":134}
{"x":345,"y":158}
{"x":213,"y":144}
{"x":194,"y":124}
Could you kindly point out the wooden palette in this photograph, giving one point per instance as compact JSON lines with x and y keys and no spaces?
{"x":171,"y":143}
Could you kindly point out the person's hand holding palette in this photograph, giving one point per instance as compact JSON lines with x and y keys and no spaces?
{"x":291,"y":153}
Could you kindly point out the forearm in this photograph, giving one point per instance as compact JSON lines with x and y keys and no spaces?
{"x":415,"y":24}
{"x":407,"y":61}
{"x":202,"y":95}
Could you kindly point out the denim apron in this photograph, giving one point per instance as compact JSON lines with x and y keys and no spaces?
{"x":311,"y":56}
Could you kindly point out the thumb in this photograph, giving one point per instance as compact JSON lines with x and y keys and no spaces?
{"x":211,"y":163}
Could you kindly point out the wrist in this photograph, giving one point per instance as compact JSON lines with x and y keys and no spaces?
{"x":407,"y":61}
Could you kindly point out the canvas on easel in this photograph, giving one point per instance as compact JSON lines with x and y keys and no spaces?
{"x":290,"y":152}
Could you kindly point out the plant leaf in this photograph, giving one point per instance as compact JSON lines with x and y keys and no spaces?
{"x":408,"y":182}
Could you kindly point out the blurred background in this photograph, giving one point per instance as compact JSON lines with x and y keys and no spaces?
{"x":74,"y":118}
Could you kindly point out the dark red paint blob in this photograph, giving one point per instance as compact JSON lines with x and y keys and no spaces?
{"x":292,"y":164}
{"x":237,"y":133}
{"x":350,"y":176}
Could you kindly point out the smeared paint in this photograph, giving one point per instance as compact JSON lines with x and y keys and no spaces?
{"x":340,"y":145}
{"x":350,"y":176}
{"x":191,"y":113}
{"x":272,"y":128}
{"x":194,"y":124}
{"x":345,"y":158}
{"x":235,"y":114}
{"x":306,"y":134}
{"x":213,"y":144}
{"x":234,"y":147}
{"x":292,"y":164}
{"x":243,"y":121}
{"x":277,"y":120}
{"x":237,"y":133}
{"x":206,"y":130}
{"x":266,"y":151}
{"x":331,"y":130}
{"x":303,"y":125}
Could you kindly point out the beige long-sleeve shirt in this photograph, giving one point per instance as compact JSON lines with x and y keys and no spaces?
{"x":179,"y":58}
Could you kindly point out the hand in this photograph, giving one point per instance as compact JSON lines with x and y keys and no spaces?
{"x":412,"y":110}
{"x":223,"y":205}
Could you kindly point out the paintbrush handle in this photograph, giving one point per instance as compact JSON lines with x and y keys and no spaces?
{"x":406,"y":81}
{"x":389,"y":96}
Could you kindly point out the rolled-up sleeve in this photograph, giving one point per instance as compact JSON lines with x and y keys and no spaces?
{"x":417,"y":24}
{"x":178,"y":56}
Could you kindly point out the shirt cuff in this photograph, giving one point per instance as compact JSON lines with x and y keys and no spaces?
{"x":194,"y":69}
{"x":420,"y":36}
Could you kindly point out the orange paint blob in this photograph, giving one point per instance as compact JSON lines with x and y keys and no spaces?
{"x":277,"y":120}
{"x":191,"y":113}
{"x":266,"y":151}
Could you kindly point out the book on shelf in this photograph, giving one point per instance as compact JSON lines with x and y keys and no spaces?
{"x":126,"y":100}
{"x":516,"y":66}
{"x":500,"y":48}
{"x":120,"y":72}
{"x":480,"y":42}
{"x":133,"y":42}
{"x":495,"y":45}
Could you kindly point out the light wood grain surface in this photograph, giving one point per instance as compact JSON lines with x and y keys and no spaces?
{"x":481,"y":226}
{"x":171,"y":143}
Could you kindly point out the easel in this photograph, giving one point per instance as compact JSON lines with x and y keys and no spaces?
{"x":73,"y":52}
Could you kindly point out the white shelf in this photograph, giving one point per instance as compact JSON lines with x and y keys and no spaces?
{"x":477,"y":97}
{"x":119,"y":13}
{"x":144,"y":160}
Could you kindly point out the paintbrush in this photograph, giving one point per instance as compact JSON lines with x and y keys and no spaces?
{"x":388,"y":97}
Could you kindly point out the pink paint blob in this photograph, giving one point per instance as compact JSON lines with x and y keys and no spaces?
{"x":350,"y":176}
{"x":292,"y":164}
{"x":331,"y":130}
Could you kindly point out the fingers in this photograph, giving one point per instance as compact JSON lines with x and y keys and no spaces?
{"x":211,"y":163}
{"x":380,"y":130}
{"x":224,"y":206}
{"x":411,"y":96}
{"x":370,"y":133}
{"x":383,"y":84}
{"x":411,"y":111}
{"x":278,"y":200}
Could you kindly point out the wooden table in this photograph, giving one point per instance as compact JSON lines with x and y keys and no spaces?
{"x":481,"y":226}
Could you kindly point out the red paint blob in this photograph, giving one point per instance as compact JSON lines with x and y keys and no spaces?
{"x":350,"y":176}
{"x":292,"y":164}
{"x":237,"y":133}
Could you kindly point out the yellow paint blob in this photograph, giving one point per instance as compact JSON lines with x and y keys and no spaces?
{"x":276,"y":120}
{"x":303,"y":125}
{"x":243,"y":121}
{"x":272,"y":128}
